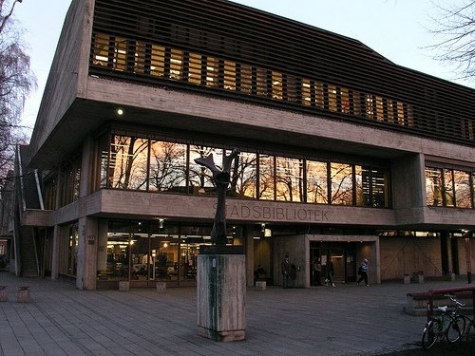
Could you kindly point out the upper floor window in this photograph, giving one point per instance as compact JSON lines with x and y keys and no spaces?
{"x":449,"y":187}
{"x":139,"y":163}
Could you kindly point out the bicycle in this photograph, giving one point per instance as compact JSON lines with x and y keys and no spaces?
{"x":464,"y":322}
{"x":446,"y":326}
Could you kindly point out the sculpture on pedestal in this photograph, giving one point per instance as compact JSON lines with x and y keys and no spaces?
{"x":221,"y":178}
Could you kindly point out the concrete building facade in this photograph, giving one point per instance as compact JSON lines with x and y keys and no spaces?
{"x":344,"y":155}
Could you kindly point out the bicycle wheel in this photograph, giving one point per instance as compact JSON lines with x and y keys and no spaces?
{"x":463,"y":322}
{"x":470,"y":331}
{"x":429,"y":336}
{"x":453,"y":332}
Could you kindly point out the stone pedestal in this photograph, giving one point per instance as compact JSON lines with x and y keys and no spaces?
{"x":3,"y":294}
{"x":407,"y":279}
{"x":124,"y":286}
{"x":261,"y":285}
{"x":420,"y":278}
{"x":161,"y":287}
{"x":221,"y":293}
{"x":23,"y":294}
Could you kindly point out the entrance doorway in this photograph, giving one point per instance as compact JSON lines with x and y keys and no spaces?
{"x":341,"y":255}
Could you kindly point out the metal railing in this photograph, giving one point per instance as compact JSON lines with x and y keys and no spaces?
{"x":434,"y":292}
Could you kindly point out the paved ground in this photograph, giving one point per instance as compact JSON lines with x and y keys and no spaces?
{"x":347,"y":320}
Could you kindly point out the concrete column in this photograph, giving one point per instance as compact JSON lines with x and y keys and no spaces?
{"x":57,"y":231}
{"x":55,"y":252}
{"x":249,"y":238}
{"x":102,"y":246}
{"x":88,"y":227}
{"x":221,"y":295}
{"x":87,"y":254}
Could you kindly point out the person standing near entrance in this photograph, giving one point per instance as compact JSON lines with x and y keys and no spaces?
{"x":286,"y":272}
{"x":317,"y":270}
{"x":330,"y":273}
{"x":363,"y":272}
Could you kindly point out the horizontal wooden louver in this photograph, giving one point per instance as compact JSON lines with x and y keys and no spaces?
{"x":227,"y":49}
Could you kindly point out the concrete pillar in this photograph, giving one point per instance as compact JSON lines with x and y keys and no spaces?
{"x":249,"y":238}
{"x":87,"y":254}
{"x":221,"y":293}
{"x":102,"y":246}
{"x":57,"y":231}
{"x":55,"y":252}
{"x":3,"y":294}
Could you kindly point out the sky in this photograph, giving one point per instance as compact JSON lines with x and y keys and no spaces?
{"x":399,"y":30}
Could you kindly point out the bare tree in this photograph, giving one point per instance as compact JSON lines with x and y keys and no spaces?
{"x":16,"y":82}
{"x":455,"y":33}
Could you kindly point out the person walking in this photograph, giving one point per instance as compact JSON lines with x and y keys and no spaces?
{"x":286,"y":272}
{"x":363,"y":272}
{"x":317,"y":270}
{"x":330,"y":273}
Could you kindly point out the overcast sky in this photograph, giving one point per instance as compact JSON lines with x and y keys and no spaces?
{"x":396,"y":29}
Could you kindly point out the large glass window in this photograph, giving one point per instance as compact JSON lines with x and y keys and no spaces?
{"x":370,"y":187}
{"x":201,"y":178}
{"x":341,"y":184}
{"x":462,"y":189}
{"x":317,"y":182}
{"x":246,"y":175}
{"x":449,"y":187}
{"x":266,"y":177}
{"x":167,"y":166}
{"x":152,"y":251}
{"x":128,"y":162}
{"x":434,"y":186}
{"x":289,"y":179}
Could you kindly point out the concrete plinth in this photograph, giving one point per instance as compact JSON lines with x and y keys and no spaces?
{"x":221,"y":295}
{"x":124,"y":286}
{"x":161,"y":287}
{"x":3,"y":294}
{"x":261,"y":285}
{"x":23,"y":294}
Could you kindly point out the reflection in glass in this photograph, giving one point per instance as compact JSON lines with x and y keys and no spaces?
{"x":128,"y":162}
{"x":167,"y":166}
{"x":317,"y":182}
{"x":266,"y":177}
{"x":341,"y":184}
{"x":462,"y":189}
{"x":448,"y":188}
{"x":289,"y":179}
{"x":433,"y":186}
{"x":201,"y":178}
{"x":244,"y":180}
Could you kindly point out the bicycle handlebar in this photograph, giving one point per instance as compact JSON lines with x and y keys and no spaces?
{"x":454,"y":299}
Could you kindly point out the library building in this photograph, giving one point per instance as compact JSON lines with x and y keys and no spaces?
{"x":343,"y":154}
